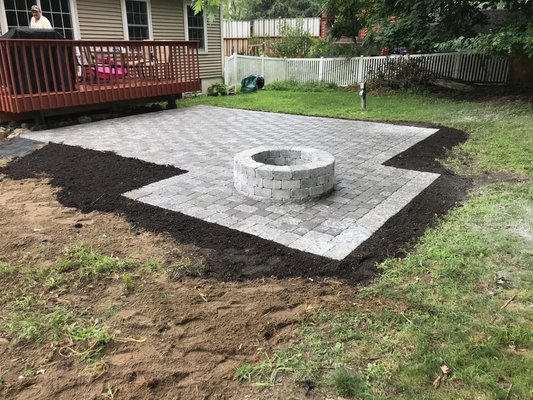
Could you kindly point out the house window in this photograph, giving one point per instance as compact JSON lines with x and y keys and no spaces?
{"x":58,"y":12}
{"x":137,"y":14}
{"x":18,"y":14}
{"x":195,"y":25}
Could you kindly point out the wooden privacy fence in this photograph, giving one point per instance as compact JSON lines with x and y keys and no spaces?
{"x":269,"y":27}
{"x":39,"y":75}
{"x":246,"y":37}
{"x":350,"y":71}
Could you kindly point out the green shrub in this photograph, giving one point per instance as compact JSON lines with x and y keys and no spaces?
{"x":397,"y":75}
{"x":217,"y":89}
{"x":328,"y":48}
{"x":293,"y":43}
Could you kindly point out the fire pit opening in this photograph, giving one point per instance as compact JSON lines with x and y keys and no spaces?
{"x":295,"y":173}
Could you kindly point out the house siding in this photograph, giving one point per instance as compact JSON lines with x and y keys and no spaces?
{"x":168,"y":22}
{"x":100,"y":19}
{"x":211,"y":63}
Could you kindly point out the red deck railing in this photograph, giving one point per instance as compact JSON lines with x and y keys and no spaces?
{"x":40,"y":75}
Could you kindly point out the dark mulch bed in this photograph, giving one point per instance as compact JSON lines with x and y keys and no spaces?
{"x":91,"y":180}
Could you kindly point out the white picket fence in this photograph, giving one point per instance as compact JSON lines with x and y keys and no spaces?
{"x":350,"y":71}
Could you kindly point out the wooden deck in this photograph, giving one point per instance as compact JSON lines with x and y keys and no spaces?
{"x":41,"y":75}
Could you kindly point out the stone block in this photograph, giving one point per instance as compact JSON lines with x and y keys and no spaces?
{"x":281,"y":194}
{"x":263,"y":192}
{"x":255,"y":182}
{"x":316,"y":190}
{"x":322,"y":179}
{"x":264,"y":171}
{"x":249,"y":171}
{"x":271,"y":184}
{"x":318,"y":171}
{"x":299,"y":193}
{"x":282,"y":173}
{"x":299,"y":172}
{"x":309,"y":182}
{"x":290,"y":184}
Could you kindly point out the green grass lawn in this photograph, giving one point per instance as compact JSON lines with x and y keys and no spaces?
{"x":462,"y":298}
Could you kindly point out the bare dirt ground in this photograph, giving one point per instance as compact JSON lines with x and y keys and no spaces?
{"x":186,"y":336}
{"x":197,"y":331}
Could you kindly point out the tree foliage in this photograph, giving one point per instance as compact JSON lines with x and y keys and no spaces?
{"x":294,"y":42}
{"x":259,"y":9}
{"x":422,"y":25}
{"x":515,"y":36}
{"x":350,"y":16}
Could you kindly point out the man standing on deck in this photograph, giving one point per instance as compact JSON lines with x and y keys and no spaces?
{"x":38,"y":20}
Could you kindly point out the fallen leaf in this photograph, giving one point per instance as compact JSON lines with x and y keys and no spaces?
{"x":445,"y":369}
{"x":436,"y":382}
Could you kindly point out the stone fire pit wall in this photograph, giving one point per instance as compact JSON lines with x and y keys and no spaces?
{"x":296,"y":173}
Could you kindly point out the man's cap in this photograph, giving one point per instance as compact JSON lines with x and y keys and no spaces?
{"x":36,"y":8}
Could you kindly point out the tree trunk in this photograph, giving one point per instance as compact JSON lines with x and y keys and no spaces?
{"x":520,"y":70}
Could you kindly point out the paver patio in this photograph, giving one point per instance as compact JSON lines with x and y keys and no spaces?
{"x":203,"y":141}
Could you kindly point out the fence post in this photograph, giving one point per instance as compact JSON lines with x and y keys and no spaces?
{"x":321,"y":69}
{"x":360,"y":70}
{"x":456,"y":65}
{"x":227,"y":71}
{"x":235,"y":56}
{"x":263,"y":66}
{"x":286,"y":68}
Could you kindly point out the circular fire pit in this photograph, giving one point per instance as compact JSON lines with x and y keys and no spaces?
{"x":295,"y":173}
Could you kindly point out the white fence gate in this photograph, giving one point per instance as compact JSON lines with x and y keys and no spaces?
{"x":350,"y":71}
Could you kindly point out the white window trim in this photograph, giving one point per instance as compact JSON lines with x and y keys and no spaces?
{"x":186,"y":25}
{"x":73,"y":17}
{"x":3,"y":17}
{"x":222,"y":56}
{"x":125,"y":19}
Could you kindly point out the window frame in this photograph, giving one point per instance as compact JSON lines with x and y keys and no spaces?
{"x":73,"y":18}
{"x":201,"y":50}
{"x":125,"y":26}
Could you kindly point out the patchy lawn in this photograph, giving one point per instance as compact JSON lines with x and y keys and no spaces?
{"x":95,"y":307}
{"x":460,"y":302}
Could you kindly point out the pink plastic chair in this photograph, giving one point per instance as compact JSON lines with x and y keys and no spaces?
{"x":111,"y":72}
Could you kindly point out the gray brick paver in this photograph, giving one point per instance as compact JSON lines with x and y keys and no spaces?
{"x":203,"y":140}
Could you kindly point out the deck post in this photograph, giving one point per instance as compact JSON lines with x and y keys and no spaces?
{"x":171,"y":102}
{"x":39,"y":118}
